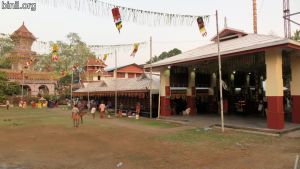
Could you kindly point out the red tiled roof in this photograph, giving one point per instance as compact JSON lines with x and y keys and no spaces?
{"x":95,"y":62}
{"x":23,"y":32}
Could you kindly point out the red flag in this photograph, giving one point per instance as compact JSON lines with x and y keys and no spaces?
{"x":117,"y":18}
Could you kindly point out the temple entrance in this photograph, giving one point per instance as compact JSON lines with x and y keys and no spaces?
{"x":43,"y":90}
{"x":26,"y":90}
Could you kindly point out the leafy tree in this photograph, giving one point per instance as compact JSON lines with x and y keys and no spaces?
{"x":165,"y":55}
{"x":5,"y":63}
{"x":6,"y":44}
{"x":296,"y":35}
{"x":8,"y":88}
{"x":74,"y":52}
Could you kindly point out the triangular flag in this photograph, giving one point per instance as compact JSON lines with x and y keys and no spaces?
{"x":201,"y":26}
{"x":135,"y":49}
{"x":117,"y":18}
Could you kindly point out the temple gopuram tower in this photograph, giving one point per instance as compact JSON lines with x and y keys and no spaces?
{"x":21,"y":54}
{"x":33,"y":82}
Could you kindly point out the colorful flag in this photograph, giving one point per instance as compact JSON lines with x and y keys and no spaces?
{"x":135,"y":49}
{"x":117,"y":18}
{"x":55,"y":52}
{"x":201,"y":26}
{"x":105,"y":56}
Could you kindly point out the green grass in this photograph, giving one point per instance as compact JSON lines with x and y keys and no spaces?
{"x":16,"y":117}
{"x":151,"y":122}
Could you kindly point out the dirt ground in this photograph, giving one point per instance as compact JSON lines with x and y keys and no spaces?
{"x":45,"y":139}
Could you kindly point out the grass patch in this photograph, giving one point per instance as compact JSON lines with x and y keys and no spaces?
{"x":151,"y":122}
{"x":194,"y":136}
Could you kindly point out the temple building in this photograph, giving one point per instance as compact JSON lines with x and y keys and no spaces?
{"x":23,"y":60}
{"x":132,"y":85}
{"x":256,"y":69}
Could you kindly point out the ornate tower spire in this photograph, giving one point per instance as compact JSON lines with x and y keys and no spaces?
{"x":21,"y":53}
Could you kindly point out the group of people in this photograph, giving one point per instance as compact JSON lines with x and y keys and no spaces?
{"x":78,"y":110}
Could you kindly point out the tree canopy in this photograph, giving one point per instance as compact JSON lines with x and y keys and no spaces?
{"x":74,"y":52}
{"x":8,"y":88}
{"x":165,"y":55}
{"x":6,"y":44}
{"x":296,"y":35}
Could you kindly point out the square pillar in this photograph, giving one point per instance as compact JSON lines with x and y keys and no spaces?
{"x":191,"y":92}
{"x":165,"y":92}
{"x":274,"y":88}
{"x":295,"y":87}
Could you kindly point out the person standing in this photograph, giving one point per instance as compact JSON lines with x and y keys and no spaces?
{"x":7,"y":104}
{"x":120,"y":110}
{"x":93,"y":110}
{"x":75,"y":116}
{"x":137,"y":110}
{"x":102,"y":109}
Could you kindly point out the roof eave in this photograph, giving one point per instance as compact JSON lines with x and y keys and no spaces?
{"x":231,"y":52}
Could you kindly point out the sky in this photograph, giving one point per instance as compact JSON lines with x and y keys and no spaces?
{"x":50,"y":23}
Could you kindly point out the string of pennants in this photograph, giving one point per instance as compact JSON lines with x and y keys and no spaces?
{"x":121,"y":13}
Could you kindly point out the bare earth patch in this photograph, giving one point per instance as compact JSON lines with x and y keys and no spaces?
{"x":45,"y":139}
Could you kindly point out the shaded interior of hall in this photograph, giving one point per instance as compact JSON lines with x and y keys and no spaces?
{"x":243,"y":86}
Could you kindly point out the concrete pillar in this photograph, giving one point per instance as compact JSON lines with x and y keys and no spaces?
{"x":274,"y":89}
{"x":191,"y":92}
{"x":295,"y":87}
{"x":165,"y":92}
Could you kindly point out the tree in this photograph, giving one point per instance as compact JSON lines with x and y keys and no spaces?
{"x":6,"y":44}
{"x":165,"y":55}
{"x":8,"y":88}
{"x":74,"y":52}
{"x":296,"y":35}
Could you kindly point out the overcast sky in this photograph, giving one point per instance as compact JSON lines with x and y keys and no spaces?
{"x":51,"y":24}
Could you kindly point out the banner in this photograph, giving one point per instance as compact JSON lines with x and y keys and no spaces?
{"x":117,"y":18}
{"x":105,"y":56}
{"x":135,"y":49}
{"x":201,"y":26}
{"x":55,"y":52}
{"x":139,"y":16}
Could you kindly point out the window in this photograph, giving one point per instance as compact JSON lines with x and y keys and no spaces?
{"x":121,"y":75}
{"x":131,"y":75}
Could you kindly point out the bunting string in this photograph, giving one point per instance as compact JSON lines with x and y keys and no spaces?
{"x":143,"y":17}
{"x":42,"y":47}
